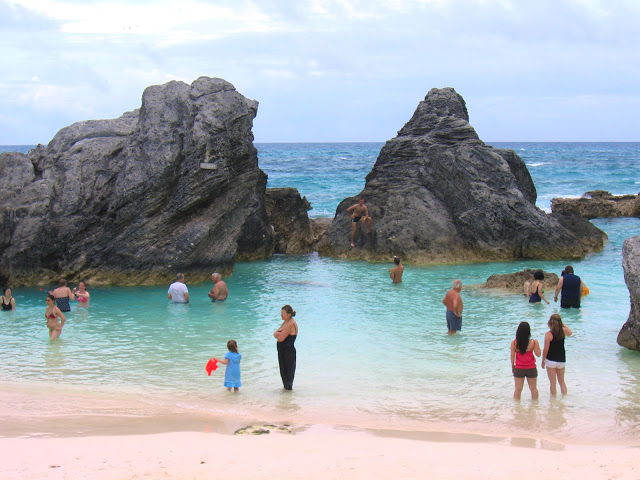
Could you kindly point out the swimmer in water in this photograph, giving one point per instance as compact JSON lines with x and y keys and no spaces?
{"x":81,"y":294}
{"x":52,"y":313}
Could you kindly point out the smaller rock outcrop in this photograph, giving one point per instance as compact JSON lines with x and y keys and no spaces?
{"x":629,"y":336}
{"x":293,"y":231}
{"x":598,"y":204}
{"x":514,"y":282}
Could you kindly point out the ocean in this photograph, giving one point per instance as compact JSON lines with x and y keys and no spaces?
{"x":371,"y":354}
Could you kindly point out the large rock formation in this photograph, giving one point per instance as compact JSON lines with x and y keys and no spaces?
{"x":629,"y":335}
{"x":598,"y":204}
{"x":173,"y":186}
{"x":437,"y":193}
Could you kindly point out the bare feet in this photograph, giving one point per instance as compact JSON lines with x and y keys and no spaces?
{"x":352,"y":244}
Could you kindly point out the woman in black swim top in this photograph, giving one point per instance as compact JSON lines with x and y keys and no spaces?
{"x":286,"y":336}
{"x":8,"y":302}
{"x":537,"y":293}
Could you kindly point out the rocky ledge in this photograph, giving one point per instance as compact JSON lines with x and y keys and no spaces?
{"x":514,"y":282}
{"x":173,"y":186}
{"x":629,"y":335}
{"x":438,"y":194}
{"x":598,"y":204}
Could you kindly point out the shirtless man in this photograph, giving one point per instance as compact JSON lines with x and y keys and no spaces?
{"x":219,"y":292}
{"x":359,"y":212}
{"x":453,"y":301}
{"x":63,"y":294}
{"x":396,"y":272}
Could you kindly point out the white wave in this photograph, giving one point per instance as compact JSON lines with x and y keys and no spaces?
{"x":539,"y":164}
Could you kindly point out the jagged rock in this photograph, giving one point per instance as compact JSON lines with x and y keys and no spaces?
{"x":629,"y":335}
{"x":173,"y":186}
{"x":294,"y":231}
{"x":514,"y":282}
{"x":598,"y":204}
{"x":437,"y":193}
{"x":287,"y":213}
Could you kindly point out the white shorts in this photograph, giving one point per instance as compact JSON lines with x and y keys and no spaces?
{"x":552,"y":364}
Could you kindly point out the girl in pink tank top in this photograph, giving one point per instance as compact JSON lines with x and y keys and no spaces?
{"x":523,"y":363}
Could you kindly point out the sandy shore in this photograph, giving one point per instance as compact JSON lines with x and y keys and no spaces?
{"x":319,"y":452}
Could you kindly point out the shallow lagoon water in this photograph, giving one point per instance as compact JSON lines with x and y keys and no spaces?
{"x":370,"y":353}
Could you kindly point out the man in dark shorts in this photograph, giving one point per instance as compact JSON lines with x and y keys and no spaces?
{"x":359,"y":212}
{"x":571,"y":287}
{"x":453,"y":301}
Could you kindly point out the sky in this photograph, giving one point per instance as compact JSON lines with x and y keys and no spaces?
{"x":330,"y":70}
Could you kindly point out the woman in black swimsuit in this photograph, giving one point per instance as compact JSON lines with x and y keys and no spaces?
{"x":8,"y":302}
{"x":286,"y":336}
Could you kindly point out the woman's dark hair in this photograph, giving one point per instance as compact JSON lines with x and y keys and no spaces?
{"x":289,"y":310}
{"x":232,"y":346}
{"x":568,"y":269}
{"x":4,"y":290}
{"x":523,"y":335}
{"x":556,"y":326}
{"x":538,"y":275}
{"x":51,"y":297}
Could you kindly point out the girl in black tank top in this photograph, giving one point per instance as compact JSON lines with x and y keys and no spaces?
{"x":553,"y":355}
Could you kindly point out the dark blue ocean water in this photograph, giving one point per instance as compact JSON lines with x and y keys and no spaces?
{"x":326,"y":173}
{"x":370,"y":353}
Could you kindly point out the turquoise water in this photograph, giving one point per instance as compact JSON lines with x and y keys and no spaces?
{"x":370,"y":353}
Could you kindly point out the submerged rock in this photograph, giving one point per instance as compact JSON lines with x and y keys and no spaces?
{"x":598,"y":204}
{"x":514,"y":282}
{"x":629,"y":335}
{"x":438,"y":194}
{"x":173,"y":186}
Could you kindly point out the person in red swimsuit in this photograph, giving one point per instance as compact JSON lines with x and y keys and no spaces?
{"x":52,"y":313}
{"x":81,"y":294}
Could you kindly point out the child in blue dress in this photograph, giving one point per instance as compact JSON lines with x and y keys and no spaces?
{"x":232,"y":361}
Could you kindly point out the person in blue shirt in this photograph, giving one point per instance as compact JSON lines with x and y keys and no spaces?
{"x":232,"y":361}
{"x":571,"y":287}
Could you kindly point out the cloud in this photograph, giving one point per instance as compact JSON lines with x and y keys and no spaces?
{"x":365,"y":61}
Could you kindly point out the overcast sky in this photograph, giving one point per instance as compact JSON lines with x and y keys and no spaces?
{"x":334,"y":70}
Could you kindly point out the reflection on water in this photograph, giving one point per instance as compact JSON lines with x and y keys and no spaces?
{"x":628,"y":409}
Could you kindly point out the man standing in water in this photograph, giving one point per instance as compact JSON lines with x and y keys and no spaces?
{"x":219,"y":292}
{"x":396,"y":272}
{"x":571,"y":287}
{"x":360,"y":213}
{"x":453,"y":301}
{"x":178,"y":290}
